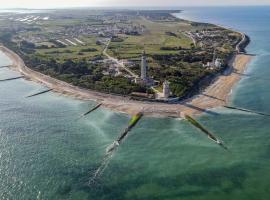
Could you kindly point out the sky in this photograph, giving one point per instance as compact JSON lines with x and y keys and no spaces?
{"x":124,"y":3}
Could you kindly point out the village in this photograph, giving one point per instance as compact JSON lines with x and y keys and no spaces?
{"x":205,"y":38}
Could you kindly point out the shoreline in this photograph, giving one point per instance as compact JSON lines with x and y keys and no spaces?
{"x":215,"y":95}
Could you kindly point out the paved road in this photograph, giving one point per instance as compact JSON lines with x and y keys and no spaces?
{"x":119,"y":63}
{"x":238,"y":46}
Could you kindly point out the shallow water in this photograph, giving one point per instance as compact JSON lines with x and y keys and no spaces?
{"x":47,"y":152}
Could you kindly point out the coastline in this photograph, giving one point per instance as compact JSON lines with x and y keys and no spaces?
{"x":216,"y":95}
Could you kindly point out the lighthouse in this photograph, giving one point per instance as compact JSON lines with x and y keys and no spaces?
{"x":166,"y":89}
{"x":144,"y":67}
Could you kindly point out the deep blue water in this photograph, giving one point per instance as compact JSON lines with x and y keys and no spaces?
{"x":46,"y":152}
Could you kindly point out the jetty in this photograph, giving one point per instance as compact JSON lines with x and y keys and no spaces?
{"x":251,"y":76}
{"x":246,"y":110}
{"x":134,"y":120}
{"x":204,"y":130}
{"x":92,"y":109}
{"x":6,"y":66}
{"x":10,"y":79}
{"x":110,"y":150}
{"x":42,"y":92}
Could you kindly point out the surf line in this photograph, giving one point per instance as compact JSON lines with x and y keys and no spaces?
{"x":204,"y":130}
{"x":112,"y":148}
{"x":10,"y":79}
{"x":42,"y":92}
{"x":246,"y":110}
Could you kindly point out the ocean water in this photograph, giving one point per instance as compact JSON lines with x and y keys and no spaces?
{"x":48,"y":152}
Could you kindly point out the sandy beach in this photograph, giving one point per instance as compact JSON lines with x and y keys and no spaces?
{"x":216,"y":95}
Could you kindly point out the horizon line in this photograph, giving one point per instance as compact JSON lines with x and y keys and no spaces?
{"x":130,"y":7}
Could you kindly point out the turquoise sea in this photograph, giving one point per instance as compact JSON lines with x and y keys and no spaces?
{"x":47,"y":152}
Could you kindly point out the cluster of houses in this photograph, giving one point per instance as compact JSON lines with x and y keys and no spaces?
{"x":37,"y":38}
{"x":103,"y":30}
{"x":110,"y":68}
{"x":217,"y":63}
{"x":208,"y":38}
{"x":205,"y":33}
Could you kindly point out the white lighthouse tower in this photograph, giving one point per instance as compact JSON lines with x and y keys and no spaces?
{"x":166,"y":89}
{"x":214,"y":58}
{"x":144,"y":67}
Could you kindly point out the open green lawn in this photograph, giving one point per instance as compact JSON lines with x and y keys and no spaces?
{"x":181,"y":40}
{"x":152,"y":39}
{"x":71,"y":52}
{"x":161,"y":27}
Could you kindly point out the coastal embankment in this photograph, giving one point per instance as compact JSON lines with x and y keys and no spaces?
{"x":217,"y":94}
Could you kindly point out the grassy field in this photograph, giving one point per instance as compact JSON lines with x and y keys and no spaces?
{"x":73,"y":52}
{"x":155,"y":36}
{"x":152,"y":40}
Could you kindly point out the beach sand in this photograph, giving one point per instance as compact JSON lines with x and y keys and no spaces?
{"x":216,"y":95}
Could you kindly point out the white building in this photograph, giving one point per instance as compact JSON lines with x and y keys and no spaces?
{"x":144,"y":79}
{"x":218,"y":62}
{"x":144,"y":67}
{"x":215,"y":63}
{"x":166,"y":89}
